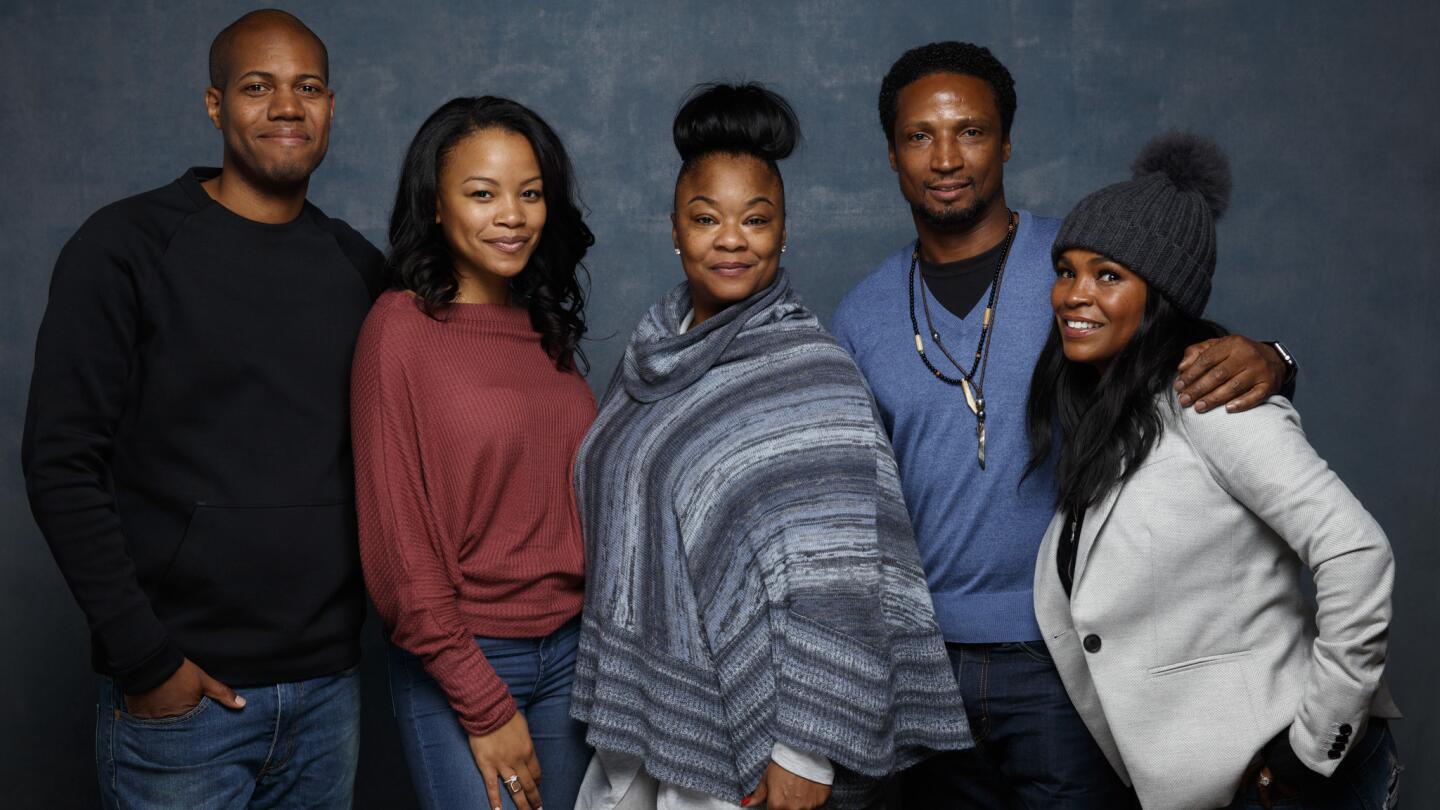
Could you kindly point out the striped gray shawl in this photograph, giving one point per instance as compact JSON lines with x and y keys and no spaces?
{"x":751,"y":572}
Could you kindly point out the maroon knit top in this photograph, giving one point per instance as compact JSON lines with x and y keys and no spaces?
{"x":465,"y":437}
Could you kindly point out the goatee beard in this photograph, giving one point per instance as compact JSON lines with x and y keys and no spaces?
{"x":953,"y":220}
{"x":285,"y":176}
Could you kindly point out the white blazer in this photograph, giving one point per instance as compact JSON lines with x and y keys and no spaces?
{"x":1186,"y":643}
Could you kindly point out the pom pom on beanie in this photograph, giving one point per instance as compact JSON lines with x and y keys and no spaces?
{"x":1192,"y":163}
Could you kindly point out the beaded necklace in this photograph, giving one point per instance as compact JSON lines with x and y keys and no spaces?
{"x":974,"y":388}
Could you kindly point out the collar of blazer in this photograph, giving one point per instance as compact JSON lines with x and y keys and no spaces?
{"x":1095,"y":518}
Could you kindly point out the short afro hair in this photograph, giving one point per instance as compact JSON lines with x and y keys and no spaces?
{"x":220,"y":46}
{"x":961,"y":58}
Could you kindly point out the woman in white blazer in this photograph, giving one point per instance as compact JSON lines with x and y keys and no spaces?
{"x":1169,"y":583}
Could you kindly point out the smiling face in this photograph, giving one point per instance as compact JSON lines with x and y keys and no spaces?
{"x":1098,"y":305}
{"x":729,"y":224}
{"x":948,"y":150}
{"x":490,"y":204}
{"x":274,"y":110}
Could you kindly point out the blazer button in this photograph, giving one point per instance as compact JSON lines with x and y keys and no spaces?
{"x":1092,"y":643}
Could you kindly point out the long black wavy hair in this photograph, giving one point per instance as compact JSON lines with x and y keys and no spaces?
{"x":1107,"y":422}
{"x":549,"y":286}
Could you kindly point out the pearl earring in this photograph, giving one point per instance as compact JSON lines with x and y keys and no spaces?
{"x":677,"y":251}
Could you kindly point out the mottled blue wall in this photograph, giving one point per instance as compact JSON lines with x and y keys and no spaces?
{"x":1326,"y":108}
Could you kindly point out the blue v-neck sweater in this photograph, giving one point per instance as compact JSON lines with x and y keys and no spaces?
{"x":978,"y":530}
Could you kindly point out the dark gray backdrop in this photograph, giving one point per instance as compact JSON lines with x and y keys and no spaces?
{"x":1326,"y":109}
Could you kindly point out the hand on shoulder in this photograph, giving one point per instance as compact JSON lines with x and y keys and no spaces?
{"x":1232,"y":371}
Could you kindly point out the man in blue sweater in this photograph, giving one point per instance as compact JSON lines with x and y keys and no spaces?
{"x":947,"y":331}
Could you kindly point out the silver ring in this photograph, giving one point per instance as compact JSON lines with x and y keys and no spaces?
{"x":513,"y":782}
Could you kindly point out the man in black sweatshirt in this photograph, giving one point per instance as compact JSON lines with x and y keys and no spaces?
{"x":187,"y":453}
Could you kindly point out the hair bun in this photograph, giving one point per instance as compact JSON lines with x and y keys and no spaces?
{"x":746,"y":118}
{"x":1192,"y":163}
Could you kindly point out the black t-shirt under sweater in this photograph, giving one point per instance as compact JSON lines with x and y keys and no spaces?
{"x":959,"y":286}
{"x":187,"y":441}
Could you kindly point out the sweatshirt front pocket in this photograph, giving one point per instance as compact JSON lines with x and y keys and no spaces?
{"x":261,"y":578}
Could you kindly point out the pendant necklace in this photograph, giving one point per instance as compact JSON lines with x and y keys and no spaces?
{"x":973,"y":387}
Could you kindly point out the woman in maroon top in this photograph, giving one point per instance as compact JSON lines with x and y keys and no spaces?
{"x":467,"y":409}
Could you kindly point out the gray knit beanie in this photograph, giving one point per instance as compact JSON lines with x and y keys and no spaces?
{"x":1161,"y":224}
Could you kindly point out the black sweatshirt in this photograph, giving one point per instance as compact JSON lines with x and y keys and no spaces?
{"x":187,"y":443}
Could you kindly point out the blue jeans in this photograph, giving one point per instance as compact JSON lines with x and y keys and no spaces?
{"x":1032,"y":750}
{"x":294,"y":745}
{"x":538,"y":672}
{"x":1367,"y":779}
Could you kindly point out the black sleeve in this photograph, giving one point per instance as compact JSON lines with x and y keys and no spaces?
{"x":1285,"y":765}
{"x":367,"y":260}
{"x":83,"y":360}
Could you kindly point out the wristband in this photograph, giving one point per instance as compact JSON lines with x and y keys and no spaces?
{"x":1291,"y":367}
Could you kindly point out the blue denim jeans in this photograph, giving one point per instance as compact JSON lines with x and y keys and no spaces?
{"x":1032,"y":750}
{"x":538,"y":672}
{"x":1367,"y":779}
{"x":294,"y":745}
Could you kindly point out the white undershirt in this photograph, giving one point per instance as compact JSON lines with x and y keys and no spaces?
{"x":617,"y":781}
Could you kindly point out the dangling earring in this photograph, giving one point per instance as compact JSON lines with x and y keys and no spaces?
{"x":782,"y":247}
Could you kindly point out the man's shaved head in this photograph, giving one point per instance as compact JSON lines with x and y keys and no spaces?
{"x":259,"y":19}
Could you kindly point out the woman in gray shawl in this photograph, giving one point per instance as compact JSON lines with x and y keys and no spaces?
{"x":757,"y":627}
